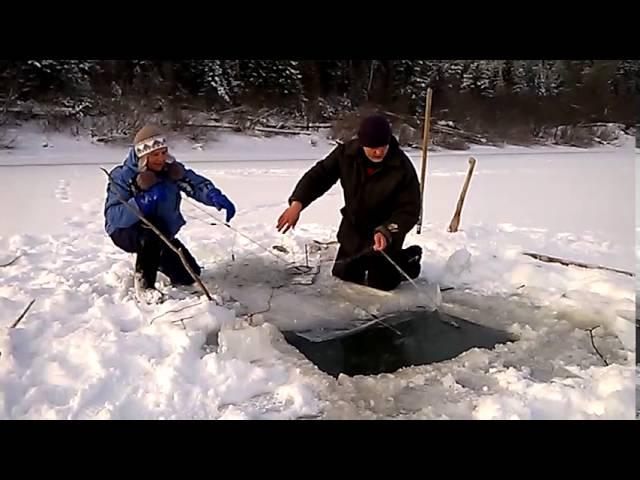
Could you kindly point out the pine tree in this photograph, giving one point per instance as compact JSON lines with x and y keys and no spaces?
{"x":54,"y":76}
{"x":218,"y":78}
{"x":416,"y":77}
{"x":627,"y":78}
{"x":548,"y":78}
{"x":453,"y":72}
{"x":274,"y":78}
{"x":523,"y":76}
{"x":334,"y":76}
{"x":489,"y":75}
{"x":470,"y":77}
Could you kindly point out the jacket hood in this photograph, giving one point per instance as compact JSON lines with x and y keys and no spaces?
{"x":131,"y":162}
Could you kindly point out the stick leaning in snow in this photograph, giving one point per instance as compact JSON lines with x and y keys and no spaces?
{"x":178,"y":251}
{"x":455,"y":221}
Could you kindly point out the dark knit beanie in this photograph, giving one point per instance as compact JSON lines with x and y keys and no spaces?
{"x":374,"y":132}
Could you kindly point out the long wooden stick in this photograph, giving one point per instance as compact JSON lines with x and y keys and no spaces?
{"x":425,"y":145}
{"x":568,"y":263}
{"x":455,"y":220}
{"x":178,"y":251}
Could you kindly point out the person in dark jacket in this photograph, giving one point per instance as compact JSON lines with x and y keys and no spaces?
{"x":150,"y":180}
{"x":381,"y":205}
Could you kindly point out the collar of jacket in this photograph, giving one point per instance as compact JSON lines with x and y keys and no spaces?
{"x":353,"y":148}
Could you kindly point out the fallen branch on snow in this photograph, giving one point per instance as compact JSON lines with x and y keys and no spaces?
{"x":283,"y":131}
{"x":298,"y":126}
{"x":231,"y":126}
{"x":312,"y":125}
{"x":175,"y":310}
{"x":181,"y":320}
{"x":568,"y":263}
{"x":11,"y":262}
{"x":22,"y":315}
{"x":178,"y":251}
{"x":255,"y":120}
{"x":109,"y":138}
{"x":459,"y":133}
{"x":239,"y":128}
{"x":233,"y":109}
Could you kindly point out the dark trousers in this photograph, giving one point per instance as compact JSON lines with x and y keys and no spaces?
{"x":153,"y":255}
{"x":374,"y":270}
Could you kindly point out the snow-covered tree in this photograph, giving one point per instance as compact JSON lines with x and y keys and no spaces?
{"x":548,"y":79}
{"x":47,"y":76}
{"x":627,"y":78}
{"x":270,"y":77}
{"x":523,"y":77}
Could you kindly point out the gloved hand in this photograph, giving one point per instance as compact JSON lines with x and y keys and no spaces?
{"x":220,"y":201}
{"x":148,"y":200}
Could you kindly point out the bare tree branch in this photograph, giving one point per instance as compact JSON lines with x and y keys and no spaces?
{"x":22,"y":315}
{"x":175,"y":310}
{"x":590,"y":330}
{"x":283,"y":131}
{"x":178,"y":251}
{"x":8,"y":101}
{"x":11,"y":262}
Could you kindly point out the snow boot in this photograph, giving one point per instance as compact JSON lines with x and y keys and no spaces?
{"x":144,"y":293}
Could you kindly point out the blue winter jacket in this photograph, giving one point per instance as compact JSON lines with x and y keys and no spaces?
{"x":124,"y":176}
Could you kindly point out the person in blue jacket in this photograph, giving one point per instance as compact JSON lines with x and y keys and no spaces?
{"x":150,"y":180}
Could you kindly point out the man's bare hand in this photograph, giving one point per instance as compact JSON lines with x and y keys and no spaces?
{"x":379,"y":242}
{"x":289,"y":217}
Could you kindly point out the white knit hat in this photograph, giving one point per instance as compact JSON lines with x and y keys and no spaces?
{"x":151,"y":144}
{"x":147,"y":140}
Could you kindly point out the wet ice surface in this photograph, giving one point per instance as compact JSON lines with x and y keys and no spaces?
{"x":531,"y":378}
{"x":262,"y":284}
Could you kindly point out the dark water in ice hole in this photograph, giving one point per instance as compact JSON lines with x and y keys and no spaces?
{"x":420,"y":338}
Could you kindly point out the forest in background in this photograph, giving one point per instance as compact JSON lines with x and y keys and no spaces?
{"x":517,"y":101}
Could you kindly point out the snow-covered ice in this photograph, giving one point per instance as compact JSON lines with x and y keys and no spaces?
{"x":85,"y":350}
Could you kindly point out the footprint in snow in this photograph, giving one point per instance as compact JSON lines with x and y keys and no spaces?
{"x":62,"y":191}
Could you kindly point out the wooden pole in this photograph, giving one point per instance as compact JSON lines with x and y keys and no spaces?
{"x":425,"y":146}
